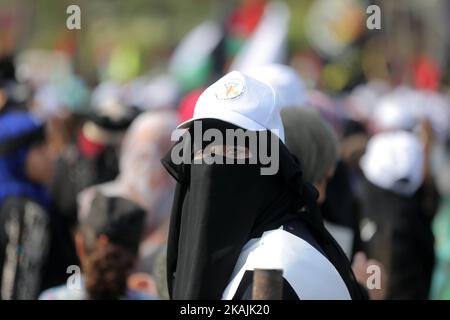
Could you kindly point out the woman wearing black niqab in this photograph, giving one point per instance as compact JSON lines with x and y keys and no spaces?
{"x":219,"y":209}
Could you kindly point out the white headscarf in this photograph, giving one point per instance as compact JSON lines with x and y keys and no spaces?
{"x":142,"y":178}
{"x":394,"y":161}
{"x":290,"y":88}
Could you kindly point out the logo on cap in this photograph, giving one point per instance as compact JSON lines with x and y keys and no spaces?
{"x":230,"y":89}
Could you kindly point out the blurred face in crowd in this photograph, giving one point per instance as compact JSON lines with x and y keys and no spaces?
{"x":321,"y":185}
{"x":39,"y":164}
{"x":141,"y":174}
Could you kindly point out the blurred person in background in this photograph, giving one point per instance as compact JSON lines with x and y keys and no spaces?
{"x":63,"y":104}
{"x":310,"y":139}
{"x":93,"y":157}
{"x":425,"y":114}
{"x":394,"y":228}
{"x":34,"y":248}
{"x":107,"y":242}
{"x":314,"y":143}
{"x":341,"y":206}
{"x":143,"y":180}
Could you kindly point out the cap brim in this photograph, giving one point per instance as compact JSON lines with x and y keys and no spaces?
{"x":232,"y":117}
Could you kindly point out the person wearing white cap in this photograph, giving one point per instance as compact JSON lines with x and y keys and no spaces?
{"x":394,"y":226}
{"x":240,"y":100}
{"x":230,"y":217}
{"x":424,"y":113}
{"x":394,"y":161}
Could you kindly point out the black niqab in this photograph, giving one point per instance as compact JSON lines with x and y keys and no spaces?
{"x":218,"y":208}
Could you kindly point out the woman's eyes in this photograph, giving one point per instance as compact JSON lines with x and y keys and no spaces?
{"x":232,"y":152}
{"x":236,"y":153}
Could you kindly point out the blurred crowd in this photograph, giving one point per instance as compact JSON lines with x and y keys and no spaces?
{"x":81,"y":180}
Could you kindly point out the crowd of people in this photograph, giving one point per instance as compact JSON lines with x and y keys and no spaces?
{"x":87,"y":179}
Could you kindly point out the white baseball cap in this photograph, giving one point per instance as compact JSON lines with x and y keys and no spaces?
{"x":240,"y":100}
{"x":285,"y":80}
{"x":394,"y":161}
